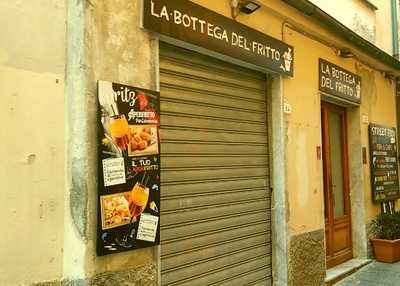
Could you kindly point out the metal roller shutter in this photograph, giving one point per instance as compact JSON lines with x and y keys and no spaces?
{"x":215,"y":224}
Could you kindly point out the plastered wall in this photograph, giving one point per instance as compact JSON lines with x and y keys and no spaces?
{"x":32,"y":61}
{"x":383,"y":28}
{"x":303,"y":135}
{"x":372,"y":25}
{"x":304,"y":170}
{"x":303,"y":126}
{"x":117,"y":50}
{"x":303,"y":131}
{"x":32,"y":67}
{"x":380,"y":107}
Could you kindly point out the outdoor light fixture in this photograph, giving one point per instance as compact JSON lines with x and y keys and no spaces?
{"x":246,"y":7}
{"x":345,"y":53}
{"x":249,"y":7}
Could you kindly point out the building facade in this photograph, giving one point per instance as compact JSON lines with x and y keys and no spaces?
{"x":265,"y":137}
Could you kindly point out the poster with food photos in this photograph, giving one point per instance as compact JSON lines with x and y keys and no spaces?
{"x":129,"y":168}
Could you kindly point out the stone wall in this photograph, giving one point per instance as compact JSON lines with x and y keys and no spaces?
{"x":370,"y":252}
{"x":140,"y":276}
{"x":307,"y":259}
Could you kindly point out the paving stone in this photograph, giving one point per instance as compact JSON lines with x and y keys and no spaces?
{"x":374,"y":274}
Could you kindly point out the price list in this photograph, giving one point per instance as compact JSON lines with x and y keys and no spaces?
{"x":384,"y":168}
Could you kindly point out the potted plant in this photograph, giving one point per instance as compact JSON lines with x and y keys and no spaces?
{"x":386,"y":244}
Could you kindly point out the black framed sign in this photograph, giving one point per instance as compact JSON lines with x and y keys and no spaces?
{"x":129,"y":168}
{"x":383,"y":160}
{"x":188,"y":22}
{"x":339,"y":82}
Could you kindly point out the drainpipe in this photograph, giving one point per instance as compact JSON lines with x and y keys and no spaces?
{"x":395,"y":29}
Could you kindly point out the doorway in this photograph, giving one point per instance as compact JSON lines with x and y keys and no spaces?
{"x":336,"y":185}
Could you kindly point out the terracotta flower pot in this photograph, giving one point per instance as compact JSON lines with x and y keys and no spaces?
{"x":386,"y":250}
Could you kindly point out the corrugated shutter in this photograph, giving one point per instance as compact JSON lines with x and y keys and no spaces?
{"x":215,"y":223}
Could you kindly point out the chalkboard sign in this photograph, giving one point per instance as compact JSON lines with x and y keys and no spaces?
{"x":384,"y":169}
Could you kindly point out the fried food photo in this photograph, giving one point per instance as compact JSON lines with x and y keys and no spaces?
{"x":142,"y":138}
{"x":115,"y":209}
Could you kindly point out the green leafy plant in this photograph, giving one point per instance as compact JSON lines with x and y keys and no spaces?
{"x":386,"y":226}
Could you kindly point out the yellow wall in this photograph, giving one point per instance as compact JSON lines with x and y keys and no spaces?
{"x":32,"y":62}
{"x":304,"y":171}
{"x":303,"y":130}
{"x":305,"y":183}
{"x":32,"y":140}
{"x":380,"y":107}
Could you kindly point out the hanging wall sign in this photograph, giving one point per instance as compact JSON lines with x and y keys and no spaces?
{"x":129,"y":168}
{"x":383,"y":160}
{"x":339,"y":82}
{"x":192,"y":23}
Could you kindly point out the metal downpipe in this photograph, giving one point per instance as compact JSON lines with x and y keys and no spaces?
{"x":395,"y":30}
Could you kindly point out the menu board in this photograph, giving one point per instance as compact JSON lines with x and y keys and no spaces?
{"x":129,"y":168}
{"x":384,"y":168}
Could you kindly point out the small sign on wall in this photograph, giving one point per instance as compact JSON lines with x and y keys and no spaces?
{"x":287,"y":108}
{"x":338,"y":82}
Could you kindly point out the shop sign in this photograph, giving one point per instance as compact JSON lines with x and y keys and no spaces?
{"x":129,"y":168}
{"x":339,"y":82}
{"x":192,"y":23}
{"x":383,"y":160}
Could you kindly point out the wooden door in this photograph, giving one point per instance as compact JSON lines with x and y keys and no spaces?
{"x":336,"y":185}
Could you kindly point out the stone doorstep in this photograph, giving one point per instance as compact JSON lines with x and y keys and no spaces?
{"x":341,"y":271}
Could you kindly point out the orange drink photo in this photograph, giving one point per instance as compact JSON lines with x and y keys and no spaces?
{"x":120,"y":132}
{"x":138,"y":199}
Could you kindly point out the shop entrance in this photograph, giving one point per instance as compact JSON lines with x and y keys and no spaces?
{"x":215,"y":200}
{"x":336,"y":185}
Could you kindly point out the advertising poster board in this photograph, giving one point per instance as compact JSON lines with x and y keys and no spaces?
{"x":129,"y":168}
{"x":383,"y":160}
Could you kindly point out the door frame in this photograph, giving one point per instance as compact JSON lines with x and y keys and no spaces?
{"x":332,"y":224}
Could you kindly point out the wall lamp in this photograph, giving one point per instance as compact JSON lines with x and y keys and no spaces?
{"x":345,"y":53}
{"x":246,"y":7}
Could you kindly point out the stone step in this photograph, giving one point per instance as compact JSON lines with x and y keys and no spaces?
{"x":341,"y":271}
